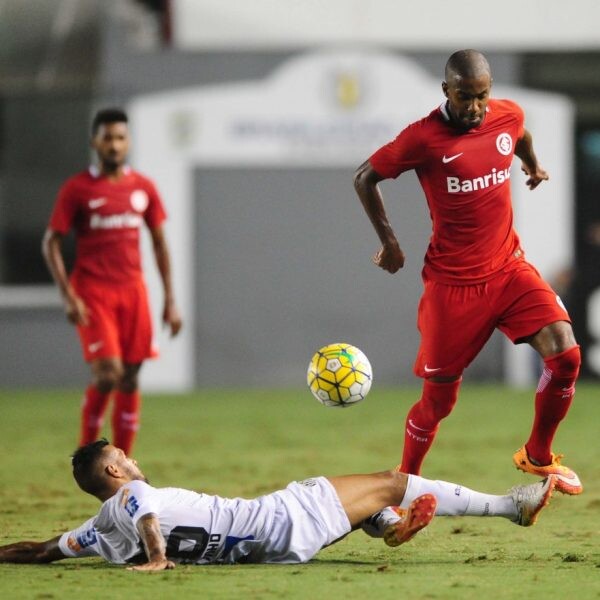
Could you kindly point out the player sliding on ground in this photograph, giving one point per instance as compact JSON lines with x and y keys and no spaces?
{"x":153,"y":528}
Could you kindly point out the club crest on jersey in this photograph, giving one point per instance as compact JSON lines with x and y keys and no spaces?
{"x":504,"y":144}
{"x":139,"y":200}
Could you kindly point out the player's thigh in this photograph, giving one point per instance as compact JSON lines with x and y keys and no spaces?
{"x":455,"y":322}
{"x":135,"y":325}
{"x":363,"y":495}
{"x":526,"y":304}
{"x":100,"y":337}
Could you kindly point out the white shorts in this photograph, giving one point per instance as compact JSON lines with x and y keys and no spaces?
{"x":308,"y":517}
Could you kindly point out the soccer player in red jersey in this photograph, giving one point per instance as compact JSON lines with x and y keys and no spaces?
{"x":475,"y":276}
{"x":105,"y":296}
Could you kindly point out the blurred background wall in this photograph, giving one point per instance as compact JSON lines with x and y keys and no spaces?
{"x":60,"y":60}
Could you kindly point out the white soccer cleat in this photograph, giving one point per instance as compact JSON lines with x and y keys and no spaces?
{"x":530,"y":499}
{"x":376,"y":524}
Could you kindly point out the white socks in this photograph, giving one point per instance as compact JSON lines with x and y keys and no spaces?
{"x":457,"y":500}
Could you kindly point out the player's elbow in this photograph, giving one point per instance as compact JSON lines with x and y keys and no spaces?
{"x":361,"y":179}
{"x":359,"y":176}
{"x":50,"y":238}
{"x":45,"y":245}
{"x":365,"y":177}
{"x":48,"y":551}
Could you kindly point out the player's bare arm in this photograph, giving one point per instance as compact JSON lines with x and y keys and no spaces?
{"x":31,"y":552}
{"x":74,"y":306}
{"x":154,"y":544}
{"x":390,"y":257}
{"x":171,"y":315}
{"x":530,"y":165}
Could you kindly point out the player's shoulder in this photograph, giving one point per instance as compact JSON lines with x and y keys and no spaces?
{"x":421,"y":127}
{"x":504,"y":106}
{"x":135,"y":486}
{"x":433,"y":119}
{"x":140,"y":179}
{"x":81,"y":178}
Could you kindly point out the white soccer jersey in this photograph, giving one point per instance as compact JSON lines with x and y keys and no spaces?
{"x":287,"y":526}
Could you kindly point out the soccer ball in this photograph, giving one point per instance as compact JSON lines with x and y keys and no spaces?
{"x":339,"y":375}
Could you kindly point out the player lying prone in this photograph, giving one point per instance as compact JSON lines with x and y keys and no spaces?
{"x":154,"y":528}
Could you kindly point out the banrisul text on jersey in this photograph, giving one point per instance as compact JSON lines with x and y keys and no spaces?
{"x":495,"y":177}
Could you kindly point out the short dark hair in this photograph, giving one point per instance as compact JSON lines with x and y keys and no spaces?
{"x":467,"y":64}
{"x":85,"y":466}
{"x":108,"y":115}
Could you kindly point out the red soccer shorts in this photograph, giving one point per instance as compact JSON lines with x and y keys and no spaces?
{"x":119,"y":325}
{"x":455,"y":321}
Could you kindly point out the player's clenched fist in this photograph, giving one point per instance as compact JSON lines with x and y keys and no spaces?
{"x":390,"y":259}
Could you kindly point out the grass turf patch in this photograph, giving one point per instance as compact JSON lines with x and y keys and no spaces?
{"x":246,"y":443}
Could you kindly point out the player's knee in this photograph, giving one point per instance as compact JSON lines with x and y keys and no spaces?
{"x":128,"y":382}
{"x":107,"y":377}
{"x":440,"y":408}
{"x":439,"y":398}
{"x":395,"y":485}
{"x":105,"y":383}
{"x":566,"y":364}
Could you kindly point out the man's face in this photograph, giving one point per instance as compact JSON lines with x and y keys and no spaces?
{"x":128,"y":466}
{"x":467,"y":100}
{"x":111,"y":144}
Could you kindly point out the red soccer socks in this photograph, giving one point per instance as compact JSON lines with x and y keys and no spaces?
{"x":125,"y":419}
{"x":437,"y":401}
{"x":92,"y":414}
{"x":552,"y":401}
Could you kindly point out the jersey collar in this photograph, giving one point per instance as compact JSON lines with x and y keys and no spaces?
{"x":446,"y":113}
{"x":94,"y":171}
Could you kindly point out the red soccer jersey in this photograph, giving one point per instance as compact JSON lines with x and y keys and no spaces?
{"x":465,"y":175}
{"x":106,"y":217}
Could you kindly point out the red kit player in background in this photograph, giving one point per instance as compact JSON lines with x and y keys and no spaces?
{"x":475,"y":276}
{"x":105,"y":296}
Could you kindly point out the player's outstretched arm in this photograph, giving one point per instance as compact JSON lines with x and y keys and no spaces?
{"x":390,"y":257}
{"x":154,"y":544}
{"x":171,"y":315}
{"x":31,"y":552}
{"x":530,"y":165}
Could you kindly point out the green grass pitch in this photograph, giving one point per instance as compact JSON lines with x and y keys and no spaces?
{"x":233,"y":442}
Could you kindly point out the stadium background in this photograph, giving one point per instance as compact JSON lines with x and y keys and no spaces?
{"x":265,"y":286}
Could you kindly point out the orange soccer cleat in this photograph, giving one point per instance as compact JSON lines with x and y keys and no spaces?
{"x":567,"y":481}
{"x":419,"y":514}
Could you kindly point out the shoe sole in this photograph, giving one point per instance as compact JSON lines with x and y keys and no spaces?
{"x":419,"y":514}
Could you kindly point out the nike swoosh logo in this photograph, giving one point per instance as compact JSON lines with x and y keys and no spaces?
{"x":95,"y":346}
{"x":450,"y":158}
{"x":410,"y":422}
{"x":96,"y":203}
{"x":428,"y":370}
